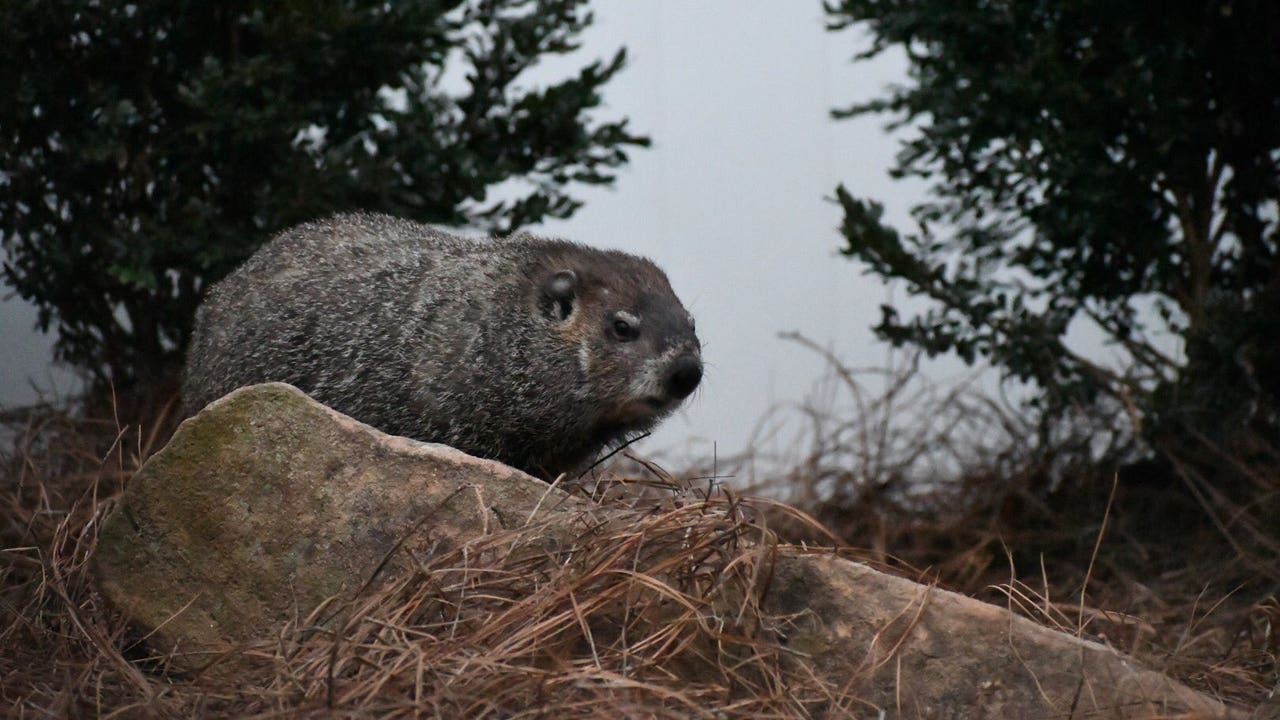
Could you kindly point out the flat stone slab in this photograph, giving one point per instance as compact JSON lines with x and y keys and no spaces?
{"x":917,"y":651}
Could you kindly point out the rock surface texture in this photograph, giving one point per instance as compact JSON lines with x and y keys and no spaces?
{"x":267,"y":504}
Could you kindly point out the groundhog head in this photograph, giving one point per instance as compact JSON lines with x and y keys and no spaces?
{"x":635,"y":344}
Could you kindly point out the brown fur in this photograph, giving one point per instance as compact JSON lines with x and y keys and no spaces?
{"x":508,"y":349}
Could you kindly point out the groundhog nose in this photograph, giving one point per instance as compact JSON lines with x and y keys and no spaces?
{"x":684,"y":376}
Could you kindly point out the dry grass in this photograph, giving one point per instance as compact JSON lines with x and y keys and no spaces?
{"x":655,"y":614}
{"x":1159,"y":560}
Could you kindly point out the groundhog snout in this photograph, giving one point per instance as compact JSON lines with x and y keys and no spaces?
{"x":683,"y":376}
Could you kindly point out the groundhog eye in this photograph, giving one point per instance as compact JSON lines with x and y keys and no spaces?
{"x":624,"y":330}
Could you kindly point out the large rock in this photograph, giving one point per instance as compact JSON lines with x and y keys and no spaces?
{"x":268,"y":504}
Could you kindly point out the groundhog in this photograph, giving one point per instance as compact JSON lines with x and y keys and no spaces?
{"x":539,"y":353}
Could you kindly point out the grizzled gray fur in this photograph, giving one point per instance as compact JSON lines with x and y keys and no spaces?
{"x":535,"y":352}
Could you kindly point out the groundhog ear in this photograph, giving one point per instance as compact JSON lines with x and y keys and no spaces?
{"x":558,"y":293}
